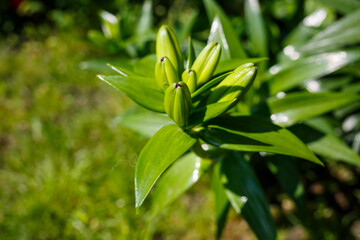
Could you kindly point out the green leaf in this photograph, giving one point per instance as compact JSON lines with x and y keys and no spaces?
{"x":287,"y":173}
{"x":141,"y":90}
{"x":311,"y":68}
{"x":295,"y":107}
{"x":102,"y":65}
{"x":125,"y":71}
{"x":208,"y":112}
{"x":231,"y":64}
{"x":234,"y":45}
{"x":221,"y":200}
{"x":184,"y":173}
{"x":146,"y":66}
{"x":246,"y":133}
{"x":191,"y":54}
{"x":255,"y":27}
{"x":246,"y":196}
{"x":145,"y":122}
{"x":207,"y":86}
{"x":349,"y":22}
{"x":217,"y":35}
{"x":325,"y":144}
{"x":146,"y":19}
{"x":343,"y":6}
{"x":168,"y":144}
{"x":110,"y":24}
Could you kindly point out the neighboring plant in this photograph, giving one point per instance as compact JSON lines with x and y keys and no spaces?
{"x":127,"y":32}
{"x":227,"y":119}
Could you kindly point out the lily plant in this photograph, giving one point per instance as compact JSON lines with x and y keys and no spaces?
{"x":217,"y":112}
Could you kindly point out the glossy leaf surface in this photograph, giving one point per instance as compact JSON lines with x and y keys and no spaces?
{"x":246,"y":196}
{"x":311,"y":68}
{"x":141,"y":90}
{"x":168,"y":144}
{"x":246,"y":133}
{"x":255,"y":27}
{"x":231,"y":64}
{"x":325,"y":144}
{"x":184,"y":173}
{"x":143,"y":121}
{"x":235,"y":47}
{"x":217,"y":35}
{"x":296,"y":107}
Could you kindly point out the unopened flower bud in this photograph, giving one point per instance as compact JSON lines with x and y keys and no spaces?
{"x":189,"y":77}
{"x":205,"y":64}
{"x":165,"y":73}
{"x":235,"y":85}
{"x":178,"y":103}
{"x":168,"y":45}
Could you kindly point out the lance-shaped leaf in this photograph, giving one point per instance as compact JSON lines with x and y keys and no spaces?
{"x":143,"y":121}
{"x":311,"y":67}
{"x":246,"y":133}
{"x":256,"y":27}
{"x":102,"y":65}
{"x":212,"y":10}
{"x":146,"y":19}
{"x":146,"y":66}
{"x":231,"y":64}
{"x":141,"y":90}
{"x":287,"y":173}
{"x":246,"y":196}
{"x":184,"y":173}
{"x":208,"y":112}
{"x":221,"y":201}
{"x":343,"y":6}
{"x":168,"y":144}
{"x":217,"y":35}
{"x":296,"y":107}
{"x":325,"y":144}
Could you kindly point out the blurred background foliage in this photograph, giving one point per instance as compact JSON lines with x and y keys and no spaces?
{"x":66,"y":166}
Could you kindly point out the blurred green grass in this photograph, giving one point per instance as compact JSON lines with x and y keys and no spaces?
{"x":66,"y":171}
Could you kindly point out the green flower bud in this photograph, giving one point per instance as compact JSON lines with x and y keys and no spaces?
{"x":178,"y":103}
{"x":168,"y":45}
{"x":235,"y":85}
{"x":205,"y":64}
{"x":165,"y":73}
{"x":189,"y":77}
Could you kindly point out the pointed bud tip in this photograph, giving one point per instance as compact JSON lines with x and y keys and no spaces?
{"x":178,"y":85}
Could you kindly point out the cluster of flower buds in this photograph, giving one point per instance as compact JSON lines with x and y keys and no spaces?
{"x":235,"y":85}
{"x":178,"y":85}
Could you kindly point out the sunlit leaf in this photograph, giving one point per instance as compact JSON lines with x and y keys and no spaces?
{"x":231,"y":64}
{"x":184,"y":173}
{"x":143,"y":121}
{"x":217,"y":35}
{"x":343,"y":6}
{"x":310,"y":68}
{"x":246,"y":133}
{"x":168,"y":144}
{"x":325,"y":144}
{"x":141,"y":90}
{"x":146,"y":66}
{"x":255,"y":27}
{"x":296,"y":107}
{"x":213,"y":10}
{"x":146,"y":18}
